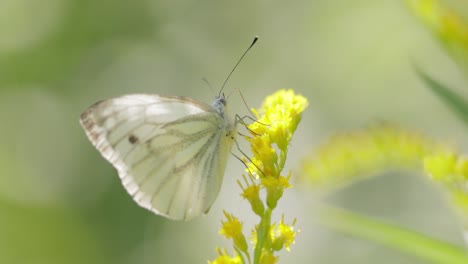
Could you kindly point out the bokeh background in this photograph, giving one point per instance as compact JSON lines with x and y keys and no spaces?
{"x":60,"y":202}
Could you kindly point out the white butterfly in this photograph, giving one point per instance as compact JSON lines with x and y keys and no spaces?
{"x":170,"y":152}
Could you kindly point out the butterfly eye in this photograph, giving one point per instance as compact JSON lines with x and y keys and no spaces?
{"x":223,"y":100}
{"x":219,"y":100}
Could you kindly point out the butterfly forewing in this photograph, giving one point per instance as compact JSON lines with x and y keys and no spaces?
{"x":170,"y":152}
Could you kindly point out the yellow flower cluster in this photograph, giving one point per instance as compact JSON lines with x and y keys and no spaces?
{"x":269,"y":139}
{"x":446,"y":25}
{"x":276,"y":122}
{"x":362,"y":153}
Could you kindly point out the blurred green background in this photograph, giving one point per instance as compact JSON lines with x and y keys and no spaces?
{"x":60,"y":202}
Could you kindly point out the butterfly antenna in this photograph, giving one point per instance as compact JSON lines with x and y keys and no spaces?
{"x":235,"y":66}
{"x":208,"y":83}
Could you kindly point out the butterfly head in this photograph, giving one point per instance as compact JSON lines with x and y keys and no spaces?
{"x":219,"y":104}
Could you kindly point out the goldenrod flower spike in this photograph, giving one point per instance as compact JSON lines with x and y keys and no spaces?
{"x":348,"y":157}
{"x":269,"y":139}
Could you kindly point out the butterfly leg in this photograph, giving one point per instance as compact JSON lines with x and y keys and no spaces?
{"x":240,"y":120}
{"x":245,"y":155}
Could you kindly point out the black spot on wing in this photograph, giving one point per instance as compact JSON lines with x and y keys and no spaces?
{"x":133,"y":139}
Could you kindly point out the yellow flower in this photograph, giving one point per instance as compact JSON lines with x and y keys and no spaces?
{"x":281,"y":182}
{"x":224,"y":258}
{"x":251,"y":192}
{"x":232,"y":228}
{"x":295,"y":104}
{"x":284,"y":235}
{"x":275,"y":188}
{"x":282,"y":113}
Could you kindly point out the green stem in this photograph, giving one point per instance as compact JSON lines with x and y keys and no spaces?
{"x":262,"y":234}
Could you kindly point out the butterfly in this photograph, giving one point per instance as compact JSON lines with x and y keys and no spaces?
{"x":170,"y":151}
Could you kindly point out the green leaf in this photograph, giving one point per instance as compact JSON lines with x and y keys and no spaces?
{"x":407,"y":241}
{"x":452,"y":99}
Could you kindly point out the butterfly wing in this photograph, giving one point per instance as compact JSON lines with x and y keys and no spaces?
{"x":170,"y":152}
